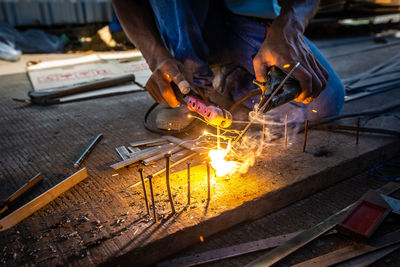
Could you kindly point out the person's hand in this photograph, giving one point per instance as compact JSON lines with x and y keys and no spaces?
{"x":159,"y":85}
{"x":283,"y":47}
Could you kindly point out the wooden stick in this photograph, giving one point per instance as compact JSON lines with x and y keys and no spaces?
{"x":33,"y":181}
{"x":42,"y":200}
{"x":305,"y":135}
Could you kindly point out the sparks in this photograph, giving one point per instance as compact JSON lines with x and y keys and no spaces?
{"x":219,"y":163}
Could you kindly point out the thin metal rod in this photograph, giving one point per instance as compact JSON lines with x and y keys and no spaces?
{"x":358,"y":130}
{"x":266,"y":103}
{"x":285,"y":140}
{"x":208,"y":180}
{"x":188,"y":182}
{"x":305,"y":135}
{"x":78,"y":163}
{"x":144,"y":191}
{"x":167,"y":164}
{"x":152,"y":198}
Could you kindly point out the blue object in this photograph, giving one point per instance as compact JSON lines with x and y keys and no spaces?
{"x":254,"y":8}
{"x":375,"y":171}
{"x":203,"y":33}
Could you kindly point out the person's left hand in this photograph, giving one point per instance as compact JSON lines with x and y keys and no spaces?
{"x":283,"y":47}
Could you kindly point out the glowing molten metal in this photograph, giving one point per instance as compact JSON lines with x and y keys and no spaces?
{"x":218,"y":162}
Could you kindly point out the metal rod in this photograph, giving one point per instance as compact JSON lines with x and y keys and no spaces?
{"x":208,"y":180}
{"x":305,"y":135}
{"x":167,"y":169}
{"x":152,"y":198}
{"x":144,"y":190}
{"x":358,"y":130}
{"x":188,"y":181}
{"x":285,"y":140}
{"x":266,"y":103}
{"x":78,"y":163}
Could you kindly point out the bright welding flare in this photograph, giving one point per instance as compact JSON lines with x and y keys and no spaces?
{"x":219,"y":163}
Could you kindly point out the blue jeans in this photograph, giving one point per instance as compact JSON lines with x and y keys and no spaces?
{"x":203,"y":33}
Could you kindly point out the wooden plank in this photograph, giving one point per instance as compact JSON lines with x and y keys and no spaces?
{"x":143,"y":154}
{"x":368,"y":259}
{"x":229,"y":252}
{"x":310,"y":234}
{"x":353,"y":251}
{"x":42,"y":200}
{"x":155,"y":141}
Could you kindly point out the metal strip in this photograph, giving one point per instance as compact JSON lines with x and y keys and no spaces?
{"x":144,"y":154}
{"x":42,"y":200}
{"x":122,"y":152}
{"x":161,"y":155}
{"x":310,"y":234}
{"x":148,"y":142}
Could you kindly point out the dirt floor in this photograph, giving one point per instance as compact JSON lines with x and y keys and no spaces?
{"x":49,"y":139}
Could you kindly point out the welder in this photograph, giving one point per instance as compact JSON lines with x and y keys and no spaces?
{"x":224,"y":46}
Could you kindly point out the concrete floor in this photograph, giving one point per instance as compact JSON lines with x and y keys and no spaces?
{"x":56,"y":157}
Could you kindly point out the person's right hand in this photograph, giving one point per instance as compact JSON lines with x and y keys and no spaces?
{"x":159,"y":85}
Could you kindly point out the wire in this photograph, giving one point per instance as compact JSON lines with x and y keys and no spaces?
{"x":375,"y":171}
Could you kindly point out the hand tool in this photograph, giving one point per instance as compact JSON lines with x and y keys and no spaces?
{"x":280,"y":88}
{"x":50,"y":98}
{"x":212,"y":114}
{"x":78,"y":163}
{"x":33,"y":181}
{"x":270,"y":88}
{"x":42,"y":200}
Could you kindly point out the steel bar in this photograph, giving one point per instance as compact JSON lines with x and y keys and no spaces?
{"x":133,"y":149}
{"x":152,"y":198}
{"x":167,"y":172}
{"x":122,"y":152}
{"x":312,"y":233}
{"x":144,"y":154}
{"x":208,"y":181}
{"x":352,"y":251}
{"x":144,"y":190}
{"x":285,"y":140}
{"x":178,"y":155}
{"x":188,"y":182}
{"x":305,"y":135}
{"x":96,"y":140}
{"x":42,"y":200}
{"x":173,"y":150}
{"x":358,"y":130}
{"x":228,"y":252}
{"x":148,"y":142}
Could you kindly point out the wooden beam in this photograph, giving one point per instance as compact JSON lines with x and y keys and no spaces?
{"x":42,"y":200}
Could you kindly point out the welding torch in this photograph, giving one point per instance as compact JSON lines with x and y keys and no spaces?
{"x":212,"y":114}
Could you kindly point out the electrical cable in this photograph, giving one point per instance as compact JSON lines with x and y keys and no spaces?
{"x":375,"y":171}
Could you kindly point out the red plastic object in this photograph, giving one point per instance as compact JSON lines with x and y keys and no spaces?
{"x":212,"y":114}
{"x":361,"y":221}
